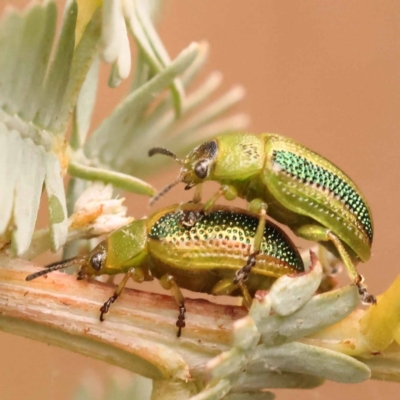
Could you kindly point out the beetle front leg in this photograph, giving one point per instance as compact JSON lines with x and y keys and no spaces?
{"x":82,"y":274}
{"x":228,"y":191}
{"x":318,"y":233}
{"x":137,"y":274}
{"x":197,"y":193}
{"x":168,"y":283}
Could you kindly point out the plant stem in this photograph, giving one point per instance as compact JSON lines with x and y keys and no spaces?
{"x":139,"y":333}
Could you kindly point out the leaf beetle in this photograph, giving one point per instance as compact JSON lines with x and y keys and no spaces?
{"x":184,"y":251}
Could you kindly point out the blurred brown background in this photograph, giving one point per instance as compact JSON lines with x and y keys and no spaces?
{"x":327,"y":74}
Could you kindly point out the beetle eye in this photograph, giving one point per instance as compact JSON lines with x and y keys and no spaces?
{"x":96,"y":261}
{"x":201,"y":169}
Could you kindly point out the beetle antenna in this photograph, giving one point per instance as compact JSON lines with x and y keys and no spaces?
{"x":162,"y":192}
{"x":54,"y":267}
{"x":165,"y":152}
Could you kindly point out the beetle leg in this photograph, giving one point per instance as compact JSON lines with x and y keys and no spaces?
{"x":244,"y":272}
{"x":197,"y":193}
{"x":137,"y":274}
{"x":226,"y":286}
{"x":247,"y":300}
{"x":260,"y":229}
{"x":259,"y":207}
{"x":228,"y":191}
{"x":168,"y":283}
{"x":320,"y":234}
{"x":81,"y":274}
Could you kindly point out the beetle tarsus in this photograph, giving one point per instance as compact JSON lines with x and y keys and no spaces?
{"x":106,"y":306}
{"x":366,"y":297}
{"x":189,"y":219}
{"x":180,"y":323}
{"x":81,"y":275}
{"x":243,"y":273}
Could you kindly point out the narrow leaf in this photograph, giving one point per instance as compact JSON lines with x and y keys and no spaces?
{"x":100,"y":145}
{"x":27,"y":59}
{"x":83,"y":57}
{"x":27,"y":194}
{"x":160,"y":121}
{"x":117,"y":179}
{"x":254,"y":382}
{"x":212,"y":112}
{"x":321,"y":311}
{"x":311,"y":360}
{"x":31,"y":100}
{"x":56,"y":198}
{"x":10,"y":164}
{"x":288,"y":294}
{"x":11,"y":31}
{"x":151,"y":49}
{"x":58,"y":77}
{"x":215,"y":392}
{"x":84,"y":107}
{"x":111,"y":33}
{"x":142,"y":72}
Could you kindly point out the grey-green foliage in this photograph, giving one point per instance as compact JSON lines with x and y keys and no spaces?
{"x":268,"y":348}
{"x":175,"y":120}
{"x":265,"y":353}
{"x":30,"y":119}
{"x":43,"y":81}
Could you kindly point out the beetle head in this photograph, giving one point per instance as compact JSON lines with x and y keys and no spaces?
{"x":196,"y":166}
{"x":96,"y":259}
{"x":92,"y":264}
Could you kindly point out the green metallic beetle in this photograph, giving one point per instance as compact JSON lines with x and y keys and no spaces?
{"x":203,"y":257}
{"x":291,"y":183}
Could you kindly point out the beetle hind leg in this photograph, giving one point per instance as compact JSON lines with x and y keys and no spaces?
{"x":318,"y":233}
{"x":366,"y":297}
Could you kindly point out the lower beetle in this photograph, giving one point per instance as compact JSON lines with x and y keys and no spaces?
{"x":185,"y":251}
